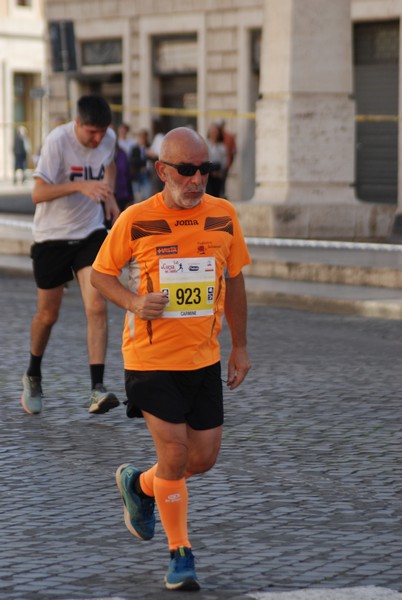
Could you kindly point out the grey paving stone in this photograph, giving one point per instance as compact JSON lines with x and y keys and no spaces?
{"x":306,"y":492}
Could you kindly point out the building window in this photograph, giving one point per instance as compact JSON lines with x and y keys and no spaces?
{"x":175,"y":63}
{"x":376,"y":85}
{"x":175,"y":55}
{"x":256,"y":50}
{"x":102,"y":52}
{"x":22,"y":82}
{"x":376,"y":43}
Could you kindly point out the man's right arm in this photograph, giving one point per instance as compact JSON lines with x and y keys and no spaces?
{"x":95,"y":190}
{"x":147,"y":306}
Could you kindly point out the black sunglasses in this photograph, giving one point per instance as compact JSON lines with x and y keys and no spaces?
{"x":188,"y":169}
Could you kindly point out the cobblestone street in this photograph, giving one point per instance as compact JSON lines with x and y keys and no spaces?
{"x":307,"y":492}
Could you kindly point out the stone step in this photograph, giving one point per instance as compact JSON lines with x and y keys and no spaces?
{"x":350,"y":264}
{"x":15,"y":234}
{"x":340,"y":263}
{"x":332,"y":277}
{"x":364,"y":301}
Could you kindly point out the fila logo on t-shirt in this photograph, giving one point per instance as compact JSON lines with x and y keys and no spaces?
{"x":86,"y":173}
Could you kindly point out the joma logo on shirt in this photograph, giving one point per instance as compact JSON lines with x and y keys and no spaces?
{"x":186,"y":222}
{"x":86,"y":173}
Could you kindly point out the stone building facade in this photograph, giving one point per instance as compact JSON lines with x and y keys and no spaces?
{"x":22,"y":73}
{"x":317,"y":146}
{"x":198,"y":56}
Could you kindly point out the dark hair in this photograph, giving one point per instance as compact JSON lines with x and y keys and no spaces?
{"x":94,"y":110}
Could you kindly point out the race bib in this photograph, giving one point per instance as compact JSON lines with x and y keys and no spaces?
{"x":189,"y":284}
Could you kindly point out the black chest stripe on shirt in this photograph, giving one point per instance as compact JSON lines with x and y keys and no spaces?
{"x":219,"y":224}
{"x":141,"y":229}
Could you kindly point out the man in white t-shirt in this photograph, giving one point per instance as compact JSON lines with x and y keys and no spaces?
{"x":73,"y":195}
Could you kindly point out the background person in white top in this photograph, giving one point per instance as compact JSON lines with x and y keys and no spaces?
{"x":124,"y":140}
{"x":73,"y":194}
{"x":218,"y":156}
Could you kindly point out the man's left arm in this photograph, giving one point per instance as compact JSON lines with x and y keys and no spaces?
{"x":112,"y":211}
{"x":236,"y":316}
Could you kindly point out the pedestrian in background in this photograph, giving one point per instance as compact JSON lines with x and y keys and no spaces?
{"x":140,"y":166}
{"x":153,"y":155}
{"x":21,"y":150}
{"x":73,"y":193}
{"x":123,"y":189}
{"x":218,"y":156}
{"x":125,"y":141}
{"x":231,"y":149}
{"x":185,"y":252}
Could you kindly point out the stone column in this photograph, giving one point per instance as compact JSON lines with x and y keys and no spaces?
{"x":305,"y":129}
{"x":305,"y":118}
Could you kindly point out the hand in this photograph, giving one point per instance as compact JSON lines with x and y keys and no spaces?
{"x":150,"y":306}
{"x":97,"y":191}
{"x":238,"y":366}
{"x":101,"y":192}
{"x":111,"y":209}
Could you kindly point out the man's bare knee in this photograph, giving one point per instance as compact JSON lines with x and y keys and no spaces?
{"x":47,"y":317}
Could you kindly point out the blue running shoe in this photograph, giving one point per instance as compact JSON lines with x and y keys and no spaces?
{"x":139,"y":514}
{"x":32,"y":395}
{"x":181,"y":573}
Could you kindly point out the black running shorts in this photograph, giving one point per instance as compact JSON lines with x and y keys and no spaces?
{"x":193,"y":397}
{"x":56,"y":261}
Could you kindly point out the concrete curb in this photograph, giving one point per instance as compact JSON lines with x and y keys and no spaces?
{"x":324,"y":273}
{"x":21,"y":266}
{"x":296,"y":283}
{"x":384,"y":309}
{"x":358,"y":593}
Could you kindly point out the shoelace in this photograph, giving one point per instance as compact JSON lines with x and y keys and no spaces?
{"x":36,"y":387}
{"x":184,"y":562}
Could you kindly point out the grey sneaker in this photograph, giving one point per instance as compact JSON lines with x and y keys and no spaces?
{"x":32,"y":395}
{"x":101,"y":400}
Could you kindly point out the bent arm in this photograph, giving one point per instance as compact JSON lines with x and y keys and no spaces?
{"x":45,"y":192}
{"x":112,"y":289}
{"x":110,"y":174}
{"x":94,"y":189}
{"x":236,"y":316}
{"x":147,"y":307}
{"x":111,"y":208}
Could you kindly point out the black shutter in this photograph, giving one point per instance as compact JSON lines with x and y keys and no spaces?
{"x":376,"y":74}
{"x":62,"y":45}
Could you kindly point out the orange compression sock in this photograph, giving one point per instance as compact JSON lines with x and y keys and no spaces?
{"x":147,"y":480}
{"x":172,"y":500}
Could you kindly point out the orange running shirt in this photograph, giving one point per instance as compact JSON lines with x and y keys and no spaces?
{"x":186,"y":253}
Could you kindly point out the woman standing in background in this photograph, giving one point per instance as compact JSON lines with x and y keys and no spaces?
{"x":218,"y":156}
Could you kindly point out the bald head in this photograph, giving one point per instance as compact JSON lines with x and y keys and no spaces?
{"x":183,"y":145}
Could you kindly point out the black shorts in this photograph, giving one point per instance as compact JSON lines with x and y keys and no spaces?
{"x":56,"y":261}
{"x":193,"y":397}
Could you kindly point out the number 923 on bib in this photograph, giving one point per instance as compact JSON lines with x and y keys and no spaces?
{"x":189,"y":284}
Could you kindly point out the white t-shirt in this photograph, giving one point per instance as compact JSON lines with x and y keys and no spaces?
{"x":217,"y":153}
{"x":63,"y":159}
{"x":156,"y":143}
{"x":127,"y":145}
